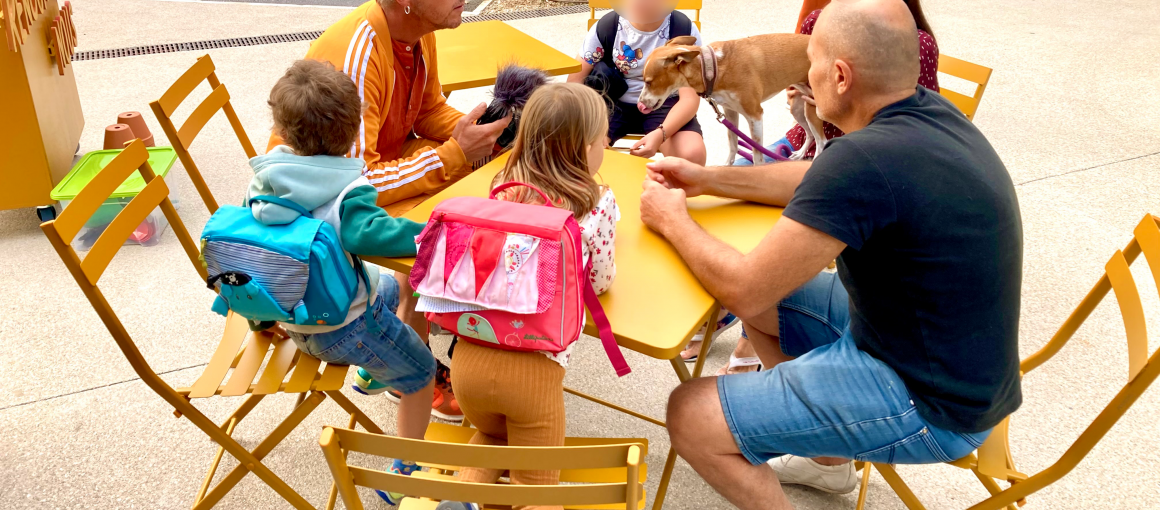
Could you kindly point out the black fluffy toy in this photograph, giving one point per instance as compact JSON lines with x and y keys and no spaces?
{"x":513,"y":86}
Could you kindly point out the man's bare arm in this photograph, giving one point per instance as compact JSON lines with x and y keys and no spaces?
{"x":771,"y":184}
{"x":746,"y":284}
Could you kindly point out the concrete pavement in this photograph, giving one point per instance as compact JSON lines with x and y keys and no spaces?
{"x":1072,"y":109}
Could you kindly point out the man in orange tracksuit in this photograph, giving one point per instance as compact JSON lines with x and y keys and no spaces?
{"x":413,"y":142}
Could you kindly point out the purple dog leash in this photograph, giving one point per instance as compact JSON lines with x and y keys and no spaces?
{"x":780,"y":152}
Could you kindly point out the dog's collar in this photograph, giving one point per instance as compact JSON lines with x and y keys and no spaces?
{"x":708,"y":70}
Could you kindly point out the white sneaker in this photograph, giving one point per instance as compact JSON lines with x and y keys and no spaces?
{"x":794,"y":470}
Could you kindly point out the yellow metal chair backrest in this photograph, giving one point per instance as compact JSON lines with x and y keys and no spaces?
{"x":1142,"y":369}
{"x":684,"y":5}
{"x":182,"y":138}
{"x":336,"y":442}
{"x":994,"y":459}
{"x":87,"y":272}
{"x":973,"y":73}
{"x":243,"y":359}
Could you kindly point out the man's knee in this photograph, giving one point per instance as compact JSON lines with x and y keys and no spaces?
{"x":689,"y":403}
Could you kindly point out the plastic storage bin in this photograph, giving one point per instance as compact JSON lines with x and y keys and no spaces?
{"x":149,"y":232}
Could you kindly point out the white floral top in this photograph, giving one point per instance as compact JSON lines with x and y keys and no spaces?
{"x":598,"y":231}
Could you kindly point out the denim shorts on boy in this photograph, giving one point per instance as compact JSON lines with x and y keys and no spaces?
{"x":396,"y":356}
{"x":834,"y":400}
{"x":626,"y":119}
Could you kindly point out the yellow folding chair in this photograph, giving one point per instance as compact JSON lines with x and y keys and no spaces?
{"x":994,"y":461}
{"x":684,"y":5}
{"x":287,"y":370}
{"x":182,"y":138}
{"x":973,"y":73}
{"x":596,"y":473}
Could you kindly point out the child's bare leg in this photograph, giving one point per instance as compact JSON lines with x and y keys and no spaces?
{"x":694,"y":346}
{"x":744,"y":349}
{"x":688,"y":145}
{"x":407,"y":313}
{"x":415,"y":412}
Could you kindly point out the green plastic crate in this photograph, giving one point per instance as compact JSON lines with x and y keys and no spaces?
{"x":160,"y":160}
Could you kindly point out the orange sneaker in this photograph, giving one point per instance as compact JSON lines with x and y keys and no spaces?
{"x":444,"y":406}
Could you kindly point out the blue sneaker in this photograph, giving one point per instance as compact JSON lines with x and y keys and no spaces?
{"x":366,"y":384}
{"x":398,"y":467}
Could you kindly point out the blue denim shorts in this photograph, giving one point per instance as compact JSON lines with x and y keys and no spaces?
{"x":396,"y":356}
{"x":833,"y":400}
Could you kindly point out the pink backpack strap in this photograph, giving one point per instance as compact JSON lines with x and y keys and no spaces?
{"x":605,"y":329}
{"x":512,"y":184}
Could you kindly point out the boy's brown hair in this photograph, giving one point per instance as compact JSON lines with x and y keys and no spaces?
{"x":316,"y":109}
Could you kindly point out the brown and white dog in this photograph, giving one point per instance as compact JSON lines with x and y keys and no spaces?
{"x":739,"y":75}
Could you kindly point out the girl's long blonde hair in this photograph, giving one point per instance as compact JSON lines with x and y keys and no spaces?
{"x":559,"y":123}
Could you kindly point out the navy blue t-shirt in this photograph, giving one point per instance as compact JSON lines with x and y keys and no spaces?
{"x":934,"y":255}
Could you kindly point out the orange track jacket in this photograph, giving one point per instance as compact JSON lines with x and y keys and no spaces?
{"x":360,"y":46}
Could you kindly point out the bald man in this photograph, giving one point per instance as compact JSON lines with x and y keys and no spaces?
{"x":909,"y":353}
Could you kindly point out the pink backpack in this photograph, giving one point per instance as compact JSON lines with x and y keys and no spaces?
{"x":508,"y":275}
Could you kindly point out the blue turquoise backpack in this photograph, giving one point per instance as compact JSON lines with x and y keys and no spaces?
{"x":295,"y":273}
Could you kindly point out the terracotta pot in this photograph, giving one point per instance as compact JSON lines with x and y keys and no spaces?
{"x":137,"y":123}
{"x":117,"y":135}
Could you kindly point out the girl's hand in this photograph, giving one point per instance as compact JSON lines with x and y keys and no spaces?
{"x":648,"y":146}
{"x":790,"y":94}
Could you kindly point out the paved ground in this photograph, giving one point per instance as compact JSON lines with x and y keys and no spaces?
{"x":1072,"y":109}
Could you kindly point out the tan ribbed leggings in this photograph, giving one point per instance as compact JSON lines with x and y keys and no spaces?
{"x":513,"y":398}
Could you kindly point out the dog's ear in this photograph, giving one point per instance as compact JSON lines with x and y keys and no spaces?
{"x":686,"y":57}
{"x":684,"y":40}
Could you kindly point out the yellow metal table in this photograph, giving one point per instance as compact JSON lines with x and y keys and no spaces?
{"x":656,"y":304}
{"x":470,"y":56}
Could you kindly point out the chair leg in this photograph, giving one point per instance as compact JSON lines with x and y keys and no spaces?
{"x":357,"y":413}
{"x":666,"y":475}
{"x":253,"y":462}
{"x":333,"y":497}
{"x":991,"y":486}
{"x":707,"y":343}
{"x":863,"y":486}
{"x":217,"y":459}
{"x":231,"y":422}
{"x":904,"y":493}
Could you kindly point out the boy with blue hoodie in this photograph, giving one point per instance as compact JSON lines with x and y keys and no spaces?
{"x":317,"y":112}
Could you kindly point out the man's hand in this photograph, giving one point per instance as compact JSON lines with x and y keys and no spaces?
{"x":677,"y":173}
{"x":648,"y":146}
{"x":661,"y":207}
{"x":477,"y":141}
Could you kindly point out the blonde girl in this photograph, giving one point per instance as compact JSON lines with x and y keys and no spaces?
{"x":517,"y":398}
